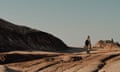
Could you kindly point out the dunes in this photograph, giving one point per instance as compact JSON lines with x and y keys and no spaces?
{"x":100,"y":60}
{"x":14,"y":37}
{"x":23,"y":49}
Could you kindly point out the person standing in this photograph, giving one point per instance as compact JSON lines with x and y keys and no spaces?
{"x":88,"y":44}
{"x":112,"y":42}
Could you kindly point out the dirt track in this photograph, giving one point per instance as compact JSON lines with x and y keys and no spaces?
{"x":103,"y":60}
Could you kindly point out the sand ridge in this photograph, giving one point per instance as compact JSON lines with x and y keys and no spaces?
{"x":101,"y":60}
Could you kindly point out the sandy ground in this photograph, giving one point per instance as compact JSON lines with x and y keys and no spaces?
{"x":100,"y":60}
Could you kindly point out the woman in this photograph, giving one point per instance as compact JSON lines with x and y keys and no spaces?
{"x":88,"y":44}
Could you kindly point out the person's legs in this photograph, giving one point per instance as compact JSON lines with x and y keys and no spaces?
{"x":87,"y":47}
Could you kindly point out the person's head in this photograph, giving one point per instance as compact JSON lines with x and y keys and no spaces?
{"x":88,"y":38}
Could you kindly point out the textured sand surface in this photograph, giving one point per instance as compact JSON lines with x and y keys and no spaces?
{"x":101,"y":60}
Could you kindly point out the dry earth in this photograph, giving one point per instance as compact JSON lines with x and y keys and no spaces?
{"x":100,"y":60}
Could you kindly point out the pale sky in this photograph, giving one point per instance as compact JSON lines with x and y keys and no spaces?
{"x":69,"y":20}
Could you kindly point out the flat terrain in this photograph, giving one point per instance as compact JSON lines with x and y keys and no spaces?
{"x":73,"y":60}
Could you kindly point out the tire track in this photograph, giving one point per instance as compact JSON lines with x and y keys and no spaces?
{"x":103,"y":62}
{"x":47,"y":66}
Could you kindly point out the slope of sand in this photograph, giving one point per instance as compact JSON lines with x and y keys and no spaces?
{"x":100,"y":60}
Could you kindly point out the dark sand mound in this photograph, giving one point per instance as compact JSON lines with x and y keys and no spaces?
{"x":14,"y":37}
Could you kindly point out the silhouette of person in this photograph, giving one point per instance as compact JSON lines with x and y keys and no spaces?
{"x":88,"y":44}
{"x":112,"y":42}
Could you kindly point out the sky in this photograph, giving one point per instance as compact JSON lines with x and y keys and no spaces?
{"x":70,"y":20}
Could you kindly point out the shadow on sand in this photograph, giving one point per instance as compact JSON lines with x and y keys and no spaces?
{"x":74,"y":50}
{"x":69,"y":50}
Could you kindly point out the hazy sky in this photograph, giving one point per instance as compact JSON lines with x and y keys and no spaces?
{"x":70,"y":20}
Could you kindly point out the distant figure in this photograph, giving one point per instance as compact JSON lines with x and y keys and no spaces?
{"x":88,"y":44}
{"x":112,"y":42}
